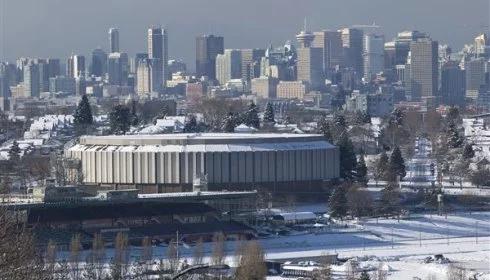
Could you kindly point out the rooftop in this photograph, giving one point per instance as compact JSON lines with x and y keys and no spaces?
{"x":199,"y":138}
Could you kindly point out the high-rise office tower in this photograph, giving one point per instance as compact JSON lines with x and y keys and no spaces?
{"x":251,"y":63}
{"x":373,"y":55}
{"x":135,"y":61}
{"x":475,"y":77}
{"x":43,"y":74}
{"x":99,"y":63}
{"x":482,"y":46}
{"x":158,"y":53}
{"x":76,"y":66}
{"x":143,"y":77}
{"x":228,"y":66}
{"x":331,"y":44}
{"x":424,"y":69}
{"x":396,"y":51}
{"x":114,"y":40}
{"x":452,"y":84}
{"x":118,"y":69}
{"x":31,"y":79}
{"x":310,"y":61}
{"x":54,"y":67}
{"x":352,"y":42}
{"x":207,"y":48}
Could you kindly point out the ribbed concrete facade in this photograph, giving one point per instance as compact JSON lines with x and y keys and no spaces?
{"x":227,"y":159}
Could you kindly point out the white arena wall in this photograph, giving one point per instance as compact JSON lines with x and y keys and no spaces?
{"x":153,"y":162}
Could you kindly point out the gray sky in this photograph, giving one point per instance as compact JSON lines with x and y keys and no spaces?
{"x":56,"y":28}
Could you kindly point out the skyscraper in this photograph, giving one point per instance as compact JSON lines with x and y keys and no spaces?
{"x":352,"y":42}
{"x":31,"y":79}
{"x":452,"y":84}
{"x":396,"y":51}
{"x":114,"y":40}
{"x":251,"y":63}
{"x":475,"y":77}
{"x":54,"y":67}
{"x":99,"y":62}
{"x":310,"y":61}
{"x":158,"y":53}
{"x":331,"y":44}
{"x":207,"y":48}
{"x":143,"y":77}
{"x":424,"y":69}
{"x":228,"y":66}
{"x":117,"y":69}
{"x":373,"y":55}
{"x":76,"y":66}
{"x":482,"y":45}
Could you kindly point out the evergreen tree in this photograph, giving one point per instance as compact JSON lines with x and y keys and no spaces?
{"x":454,"y":140}
{"x":83,"y":118}
{"x":396,"y":165}
{"x":134,"y":115}
{"x":338,"y":202}
{"x":362,"y":118}
{"x":365,"y":276}
{"x":190,"y":125}
{"x":348,"y":160}
{"x":452,"y":115}
{"x":390,"y":199}
{"x":251,"y":117}
{"x":269,"y":114}
{"x":468,"y":152}
{"x":397,"y":117}
{"x":381,"y":167}
{"x":229,"y":123}
{"x":325,"y":128}
{"x":14,"y":152}
{"x":361,"y":170}
{"x":120,"y":119}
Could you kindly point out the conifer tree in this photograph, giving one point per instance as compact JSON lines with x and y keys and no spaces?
{"x":338,"y":202}
{"x":396,"y":165}
{"x":251,"y":117}
{"x":454,"y":140}
{"x":229,"y":123}
{"x":348,"y":160}
{"x":14,"y":152}
{"x":325,"y":128}
{"x":83,"y":118}
{"x":190,"y":125}
{"x":468,"y":152}
{"x":134,"y":115}
{"x":120,"y":119}
{"x":361,"y":170}
{"x":269,"y":114}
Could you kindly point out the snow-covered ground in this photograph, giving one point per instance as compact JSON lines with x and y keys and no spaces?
{"x":400,"y":245}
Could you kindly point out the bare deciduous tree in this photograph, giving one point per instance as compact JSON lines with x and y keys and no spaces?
{"x":218,"y":253}
{"x":252,"y":263}
{"x":198,"y":254}
{"x":456,"y":273}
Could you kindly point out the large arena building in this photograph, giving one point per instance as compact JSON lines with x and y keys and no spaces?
{"x":171,"y":162}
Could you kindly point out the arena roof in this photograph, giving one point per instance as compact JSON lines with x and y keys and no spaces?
{"x":199,"y":138}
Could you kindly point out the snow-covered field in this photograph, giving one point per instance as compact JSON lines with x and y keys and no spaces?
{"x":400,"y":245}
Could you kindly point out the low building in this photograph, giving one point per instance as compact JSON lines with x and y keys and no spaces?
{"x":376,"y":105}
{"x":265,"y":87}
{"x":292,"y":89}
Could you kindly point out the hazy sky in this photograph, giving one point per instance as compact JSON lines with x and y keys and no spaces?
{"x":56,"y":28}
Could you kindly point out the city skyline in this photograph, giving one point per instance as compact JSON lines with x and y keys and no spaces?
{"x":235,"y":28}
